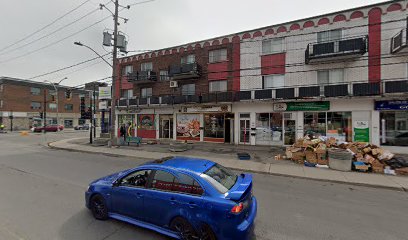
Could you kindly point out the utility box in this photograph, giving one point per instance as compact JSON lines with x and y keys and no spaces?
{"x":107,"y":39}
{"x":121,"y":43}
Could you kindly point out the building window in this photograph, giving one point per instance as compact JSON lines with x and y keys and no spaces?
{"x":69,"y":107}
{"x":52,"y":106}
{"x":217,"y":55}
{"x":214,"y":125}
{"x":218,"y":86}
{"x":164,"y":75}
{"x":331,"y":124}
{"x":273,"y":81}
{"x":188,"y":89}
{"x":146,"y":92}
{"x":270,"y":46}
{"x":329,"y":36}
{"x":328,"y":77}
{"x":35,"y":105}
{"x":147,"y":66}
{"x":1,"y":103}
{"x":128,"y":93}
{"x":68,"y":123}
{"x":126,"y":70}
{"x":188,"y":59}
{"x":35,"y":91}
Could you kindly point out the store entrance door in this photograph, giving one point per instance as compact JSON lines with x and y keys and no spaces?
{"x":289,"y":132}
{"x":166,"y":128}
{"x":244,"y":131}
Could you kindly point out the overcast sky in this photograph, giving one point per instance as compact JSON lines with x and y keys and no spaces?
{"x":152,"y":25}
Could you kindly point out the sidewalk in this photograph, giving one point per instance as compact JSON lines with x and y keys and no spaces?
{"x":270,"y":166}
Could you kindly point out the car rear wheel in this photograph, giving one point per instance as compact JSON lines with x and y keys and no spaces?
{"x":183,"y":228}
{"x":206,"y":233}
{"x":98,"y":208}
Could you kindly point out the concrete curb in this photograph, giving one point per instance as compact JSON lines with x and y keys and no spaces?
{"x":51,"y":146}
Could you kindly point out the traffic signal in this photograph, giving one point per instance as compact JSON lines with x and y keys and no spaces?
{"x":68,"y":94}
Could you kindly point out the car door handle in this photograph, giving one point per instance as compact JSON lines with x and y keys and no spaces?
{"x":173,"y":201}
{"x":139,"y":195}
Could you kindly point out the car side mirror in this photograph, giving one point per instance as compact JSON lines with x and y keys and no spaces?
{"x":116,"y":184}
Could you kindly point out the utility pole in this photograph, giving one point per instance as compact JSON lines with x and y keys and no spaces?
{"x":45,"y":109}
{"x":114,"y":75}
{"x":94,"y":109}
{"x":91,"y":120}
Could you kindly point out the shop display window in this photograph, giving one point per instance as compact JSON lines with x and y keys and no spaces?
{"x":394,"y":128}
{"x":214,"y":125}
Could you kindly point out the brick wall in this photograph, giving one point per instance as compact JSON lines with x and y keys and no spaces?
{"x":163,"y":61}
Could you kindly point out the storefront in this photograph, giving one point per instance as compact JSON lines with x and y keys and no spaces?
{"x":166,"y":126}
{"x":206,"y":123}
{"x":393,"y":122}
{"x":127,"y":120}
{"x":146,"y":126}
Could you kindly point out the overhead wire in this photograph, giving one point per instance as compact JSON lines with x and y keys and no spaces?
{"x":44,"y":27}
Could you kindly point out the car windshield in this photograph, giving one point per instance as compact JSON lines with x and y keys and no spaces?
{"x":220,"y":177}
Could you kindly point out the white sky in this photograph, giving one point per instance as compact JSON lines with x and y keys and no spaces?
{"x":152,"y":25}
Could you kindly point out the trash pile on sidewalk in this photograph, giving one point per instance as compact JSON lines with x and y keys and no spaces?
{"x":325,"y":152}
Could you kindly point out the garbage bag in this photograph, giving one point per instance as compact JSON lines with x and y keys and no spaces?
{"x":397,"y":162}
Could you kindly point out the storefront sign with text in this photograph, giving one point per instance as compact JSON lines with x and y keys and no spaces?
{"x":391,"y":105}
{"x":302,"y":106}
{"x":361,"y":131}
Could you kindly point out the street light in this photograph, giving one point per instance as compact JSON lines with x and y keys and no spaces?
{"x":83,"y":45}
{"x":56,"y":92}
{"x":112,"y":111}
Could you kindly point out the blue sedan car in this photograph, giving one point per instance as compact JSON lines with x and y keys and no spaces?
{"x":180,"y":197}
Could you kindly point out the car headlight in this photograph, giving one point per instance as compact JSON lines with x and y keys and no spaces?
{"x":87,"y":189}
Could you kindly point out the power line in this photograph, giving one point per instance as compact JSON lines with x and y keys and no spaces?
{"x":53,"y":43}
{"x":46,"y":26}
{"x":47,"y":35}
{"x":64,"y":68}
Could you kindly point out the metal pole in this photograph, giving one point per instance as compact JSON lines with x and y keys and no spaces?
{"x":45,"y":109}
{"x":90,"y":129}
{"x":94,"y":110}
{"x":114,"y":74}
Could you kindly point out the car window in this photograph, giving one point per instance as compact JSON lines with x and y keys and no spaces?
{"x":163,"y":181}
{"x":137,"y":179}
{"x":220,"y":177}
{"x":186,"y":184}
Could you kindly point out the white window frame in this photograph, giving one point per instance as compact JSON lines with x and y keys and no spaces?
{"x":330,"y":37}
{"x":32,"y":107}
{"x":218,"y":86}
{"x":164,"y":75}
{"x":52,"y":106}
{"x":189,"y":59}
{"x":126,"y":70}
{"x":35,"y":93}
{"x":273,"y":46}
{"x":218,"y":55}
{"x":127,"y":93}
{"x":146,"y":66}
{"x":277,"y":78}
{"x":146,"y":92}
{"x":188,"y":89}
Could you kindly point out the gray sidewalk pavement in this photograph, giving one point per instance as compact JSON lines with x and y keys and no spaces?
{"x":283,"y":168}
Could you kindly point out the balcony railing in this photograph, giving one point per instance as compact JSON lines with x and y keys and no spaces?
{"x":337,"y":48}
{"x":142,"y":77}
{"x":339,"y":90}
{"x":399,"y":41}
{"x":185,"y":71}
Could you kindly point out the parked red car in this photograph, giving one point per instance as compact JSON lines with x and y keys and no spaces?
{"x":49,"y":128}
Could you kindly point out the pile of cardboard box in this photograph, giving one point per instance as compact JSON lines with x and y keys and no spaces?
{"x":314,"y":151}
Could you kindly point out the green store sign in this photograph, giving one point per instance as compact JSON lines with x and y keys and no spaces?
{"x":302,"y":106}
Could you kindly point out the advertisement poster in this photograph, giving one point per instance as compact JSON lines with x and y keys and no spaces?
{"x":146,"y":122}
{"x":188,"y":125}
{"x":361,"y":131}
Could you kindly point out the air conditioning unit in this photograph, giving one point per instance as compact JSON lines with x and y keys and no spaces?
{"x":173,"y":84}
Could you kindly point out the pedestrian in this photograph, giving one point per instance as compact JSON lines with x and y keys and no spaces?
{"x":2,"y":127}
{"x":123,"y":133}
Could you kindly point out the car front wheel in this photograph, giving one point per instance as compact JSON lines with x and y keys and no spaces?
{"x":183,"y":228}
{"x":99,"y":208}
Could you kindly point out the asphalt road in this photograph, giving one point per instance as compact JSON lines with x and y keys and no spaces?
{"x":42,"y":197}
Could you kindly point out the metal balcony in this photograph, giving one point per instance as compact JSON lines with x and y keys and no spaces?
{"x":306,"y":92}
{"x":263,"y":94}
{"x":285,"y":93}
{"x":338,"y":48}
{"x":154,"y":100}
{"x":122,"y":102}
{"x":142,"y":77}
{"x":243,"y":95}
{"x":133,"y":102}
{"x":142,"y":101}
{"x":366,"y":89}
{"x":336,"y":90}
{"x":396,"y":86}
{"x":185,"y":71}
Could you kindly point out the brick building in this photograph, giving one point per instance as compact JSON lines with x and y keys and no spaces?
{"x":342,"y":75}
{"x":24,"y":101}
